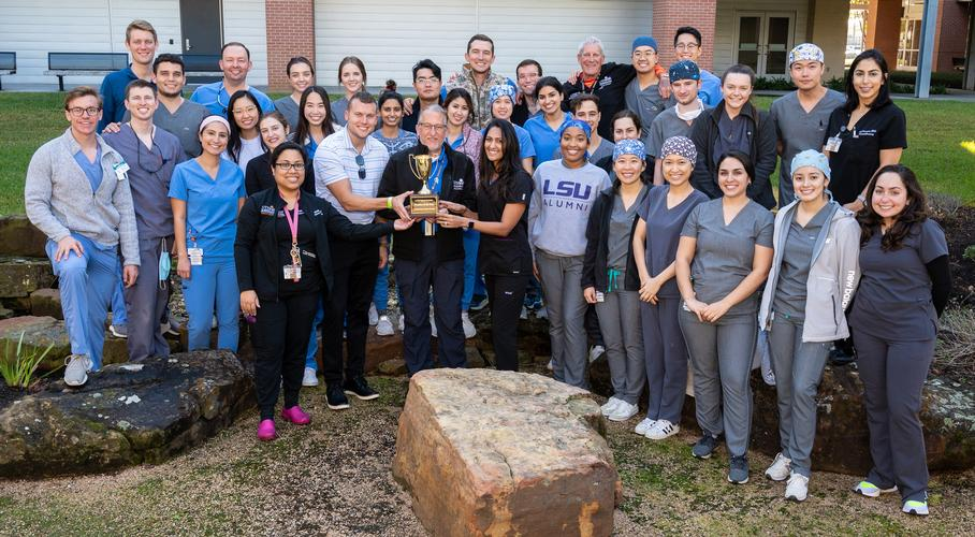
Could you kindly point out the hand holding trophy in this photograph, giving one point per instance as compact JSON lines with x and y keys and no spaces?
{"x":423,"y":204}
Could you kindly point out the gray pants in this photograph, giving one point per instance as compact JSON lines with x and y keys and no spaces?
{"x":798,"y":368}
{"x":721,"y":355}
{"x":145,"y":303}
{"x":666,"y":358}
{"x":893,"y":374}
{"x":561,"y":279}
{"x":619,"y":321}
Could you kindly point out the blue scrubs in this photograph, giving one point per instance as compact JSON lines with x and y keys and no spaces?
{"x":545,"y":140}
{"x":211,"y":224}
{"x":214,"y":96}
{"x":526,"y":149}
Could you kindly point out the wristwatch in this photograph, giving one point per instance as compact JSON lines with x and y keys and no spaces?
{"x":470,"y":224}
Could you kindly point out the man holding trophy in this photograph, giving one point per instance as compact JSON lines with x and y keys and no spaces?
{"x":441,"y":179}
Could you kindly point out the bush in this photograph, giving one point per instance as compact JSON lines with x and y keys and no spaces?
{"x":943,"y":206}
{"x":18,"y":367}
{"x":949,"y":79}
{"x":956,"y":341}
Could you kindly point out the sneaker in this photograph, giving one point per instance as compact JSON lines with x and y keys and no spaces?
{"x":265,"y":431}
{"x":76,"y":372}
{"x":173,"y":327}
{"x":595,"y":352}
{"x":402,"y":321}
{"x":705,"y":446}
{"x":738,"y":470}
{"x":797,"y":488}
{"x":610,"y":405}
{"x":542,"y":313}
{"x":469,"y":329}
{"x":662,"y":429}
{"x":623,"y":412}
{"x":433,"y":324}
{"x":868,"y":489}
{"x":213,"y":322}
{"x":779,"y":470}
{"x":360,"y":388}
{"x":295,"y":415}
{"x":479,"y":303}
{"x":336,"y":398}
{"x":644,"y":426}
{"x":384,"y":327}
{"x":119,"y":330}
{"x":524,"y":314}
{"x":550,"y":365}
{"x":373,"y":315}
{"x":914,"y":507}
{"x":310,"y":378}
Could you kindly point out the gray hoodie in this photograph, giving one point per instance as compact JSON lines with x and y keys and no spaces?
{"x":833,"y":274}
{"x":560,"y":206}
{"x":60,"y":201}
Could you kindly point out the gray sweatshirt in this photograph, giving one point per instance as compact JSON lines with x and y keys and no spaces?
{"x":60,"y":201}
{"x":561,"y":202}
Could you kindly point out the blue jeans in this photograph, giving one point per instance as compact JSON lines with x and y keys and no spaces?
{"x":473,"y":282}
{"x":213,"y":282}
{"x":86,"y":284}
{"x":311,"y":357}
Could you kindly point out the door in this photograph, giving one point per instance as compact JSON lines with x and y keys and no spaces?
{"x":763,"y":41}
{"x":201,"y":24}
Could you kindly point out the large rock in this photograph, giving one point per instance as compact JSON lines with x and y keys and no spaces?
{"x":18,"y":237}
{"x":487,"y":452}
{"x":46,"y":303}
{"x":123,"y":417}
{"x":20,"y":276}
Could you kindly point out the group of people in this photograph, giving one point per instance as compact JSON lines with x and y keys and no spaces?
{"x":637,"y":197}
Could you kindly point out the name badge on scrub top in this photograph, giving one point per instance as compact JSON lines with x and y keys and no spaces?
{"x":196,"y":256}
{"x":292,"y":272}
{"x":121,"y":169}
{"x":833,"y":143}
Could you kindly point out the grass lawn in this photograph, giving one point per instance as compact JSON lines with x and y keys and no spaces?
{"x":935,"y":131}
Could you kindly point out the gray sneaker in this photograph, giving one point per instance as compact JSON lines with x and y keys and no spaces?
{"x":76,"y":372}
{"x":705,"y":446}
{"x":119,"y":330}
{"x":738,"y":470}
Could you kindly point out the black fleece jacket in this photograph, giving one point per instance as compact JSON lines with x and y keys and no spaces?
{"x":594,"y":263}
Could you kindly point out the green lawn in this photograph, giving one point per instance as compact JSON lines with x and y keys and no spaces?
{"x":935,"y":131}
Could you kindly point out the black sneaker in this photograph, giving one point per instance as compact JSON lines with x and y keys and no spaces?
{"x":738,"y":470}
{"x":478,"y":303}
{"x":360,"y":388}
{"x":336,"y":397}
{"x":705,"y":446}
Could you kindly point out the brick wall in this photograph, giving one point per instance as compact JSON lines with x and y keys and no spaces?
{"x":951,"y":39}
{"x":290,"y":33}
{"x":668,"y":15}
{"x":884,"y":28}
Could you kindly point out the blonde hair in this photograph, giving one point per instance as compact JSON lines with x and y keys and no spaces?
{"x":143,"y":25}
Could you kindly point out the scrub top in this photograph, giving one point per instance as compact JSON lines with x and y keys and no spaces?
{"x":725,"y":253}
{"x":211,"y":206}
{"x":663,"y":232}
{"x":858,"y":157}
{"x":526,"y":149}
{"x":893,"y":301}
{"x":545,"y":140}
{"x":790,"y":291}
{"x":620,"y":232}
{"x":512,"y":254}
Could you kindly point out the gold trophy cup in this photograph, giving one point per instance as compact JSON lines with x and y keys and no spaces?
{"x":423,"y":203}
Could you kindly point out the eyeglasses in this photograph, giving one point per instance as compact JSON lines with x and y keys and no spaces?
{"x":78,"y":111}
{"x":431,"y":127}
{"x":423,"y":80}
{"x":361,"y":162}
{"x":287,"y":166}
{"x":686,"y":46}
{"x":248,"y":110}
{"x":643,"y":55}
{"x":153,"y":161}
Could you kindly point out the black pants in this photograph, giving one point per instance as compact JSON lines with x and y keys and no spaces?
{"x":354,"y":277}
{"x":506,"y":295}
{"x":280,"y":338}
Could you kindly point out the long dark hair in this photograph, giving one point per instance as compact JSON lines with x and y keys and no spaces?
{"x":852,"y":97}
{"x":915,"y":212}
{"x":234,"y":143}
{"x":460,"y":93}
{"x":506,"y":168}
{"x":303,"y":129}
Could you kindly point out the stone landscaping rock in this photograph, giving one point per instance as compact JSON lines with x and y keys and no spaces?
{"x":124,"y":415}
{"x":46,"y":303}
{"x":486,"y":452}
{"x":18,"y":237}
{"x":393,"y":368}
{"x":20,"y":276}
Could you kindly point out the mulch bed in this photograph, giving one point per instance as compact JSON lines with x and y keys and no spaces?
{"x":960,"y":231}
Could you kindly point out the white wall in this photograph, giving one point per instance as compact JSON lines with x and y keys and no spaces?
{"x":244,"y":21}
{"x":723,"y":47}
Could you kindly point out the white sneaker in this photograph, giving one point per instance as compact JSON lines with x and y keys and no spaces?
{"x":384,"y":327}
{"x":524,"y":313}
{"x":469,"y":329}
{"x":644,"y":426}
{"x":662,"y":429}
{"x":402,"y":322}
{"x":542,"y":313}
{"x":797,"y":488}
{"x":310,"y":378}
{"x":373,"y":315}
{"x":779,"y":471}
{"x":76,"y":372}
{"x":550,"y":365}
{"x":610,"y":406}
{"x":623,"y":412}
{"x":433,"y":324}
{"x":595,"y":352}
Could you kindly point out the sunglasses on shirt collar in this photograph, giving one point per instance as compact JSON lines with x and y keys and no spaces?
{"x":361,"y":162}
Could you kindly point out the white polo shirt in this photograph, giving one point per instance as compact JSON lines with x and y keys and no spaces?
{"x":335,"y":161}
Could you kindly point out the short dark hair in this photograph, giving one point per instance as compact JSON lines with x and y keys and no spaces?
{"x":298,"y":60}
{"x":288,"y":146}
{"x":526,"y":63}
{"x":168,"y":58}
{"x":627,"y":114}
{"x":547,"y":82}
{"x":235,"y":44}
{"x":480,"y":37}
{"x":577,"y":101}
{"x":139,"y":83}
{"x":688,"y":30}
{"x":739,"y":69}
{"x":363,"y":97}
{"x":352,"y":60}
{"x":852,"y":97}
{"x":427,"y":64}
{"x":79,"y":92}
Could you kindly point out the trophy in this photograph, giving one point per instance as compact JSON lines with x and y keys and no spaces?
{"x":423,"y":203}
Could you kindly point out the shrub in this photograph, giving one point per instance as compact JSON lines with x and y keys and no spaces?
{"x":956,"y":341}
{"x":943,"y":206}
{"x":18,"y":367}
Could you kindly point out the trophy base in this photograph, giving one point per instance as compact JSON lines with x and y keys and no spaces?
{"x":424,"y":205}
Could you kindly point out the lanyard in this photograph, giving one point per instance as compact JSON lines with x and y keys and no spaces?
{"x":614,"y":280}
{"x":436,"y":174}
{"x":293,"y":225}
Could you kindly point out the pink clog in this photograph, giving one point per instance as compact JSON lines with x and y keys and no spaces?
{"x":296,"y":415}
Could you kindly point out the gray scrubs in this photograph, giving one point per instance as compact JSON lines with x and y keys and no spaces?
{"x":721,"y":353}
{"x":338,"y":111}
{"x":604,"y":150}
{"x":184,"y":124}
{"x":289,"y":109}
{"x":732,"y":134}
{"x":646,"y":103}
{"x":895,"y":326}
{"x":665,"y":353}
{"x":666,"y":124}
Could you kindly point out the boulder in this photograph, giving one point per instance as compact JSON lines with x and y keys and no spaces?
{"x":392,"y":368}
{"x":126,"y":414}
{"x":46,"y":303}
{"x":18,"y":237}
{"x":20,"y":276}
{"x":486,"y":452}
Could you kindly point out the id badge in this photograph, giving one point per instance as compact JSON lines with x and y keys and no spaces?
{"x":292,"y":272}
{"x":121,"y":169}
{"x":600,"y":297}
{"x":833,"y":144}
{"x":196,"y":256}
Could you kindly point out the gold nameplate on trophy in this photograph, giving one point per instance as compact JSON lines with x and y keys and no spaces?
{"x":423,"y":204}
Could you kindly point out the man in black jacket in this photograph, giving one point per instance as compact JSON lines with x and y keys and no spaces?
{"x":438,"y":260}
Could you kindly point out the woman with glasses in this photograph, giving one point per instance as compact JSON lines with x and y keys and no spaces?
{"x":206,"y":194}
{"x":316,"y":121}
{"x":301,"y":75}
{"x":245,"y":138}
{"x":352,"y":78}
{"x":259,"y":176}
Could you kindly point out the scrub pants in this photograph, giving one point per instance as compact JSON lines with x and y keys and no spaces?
{"x":213,"y":282}
{"x":798,"y":369}
{"x":472,"y":279}
{"x":86,"y":284}
{"x":893,"y":374}
{"x":354,"y":277}
{"x":665,"y":355}
{"x":146,"y":303}
{"x":414,"y":279}
{"x":619,"y":321}
{"x":561,"y":279}
{"x":506,"y":294}
{"x":120,"y":316}
{"x":721,"y":355}
{"x":280,"y":336}
{"x":311,"y":353}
